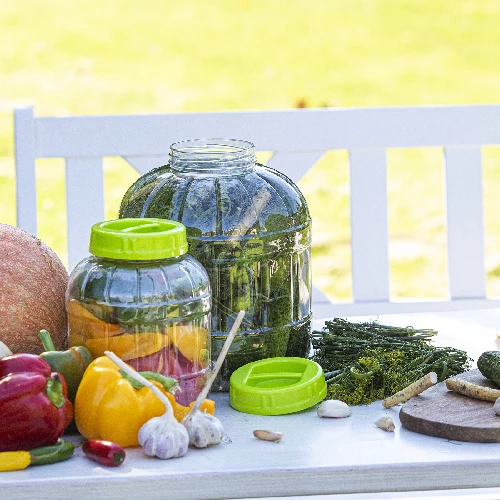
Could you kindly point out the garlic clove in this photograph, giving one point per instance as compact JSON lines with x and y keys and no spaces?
{"x":203,"y":429}
{"x":386,"y":424}
{"x":496,"y":406}
{"x":268,"y":435}
{"x":164,"y":438}
{"x":333,"y":408}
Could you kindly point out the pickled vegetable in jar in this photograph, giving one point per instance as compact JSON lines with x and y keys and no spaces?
{"x":143,"y":297}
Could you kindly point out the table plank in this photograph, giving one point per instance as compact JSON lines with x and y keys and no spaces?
{"x":315,"y":457}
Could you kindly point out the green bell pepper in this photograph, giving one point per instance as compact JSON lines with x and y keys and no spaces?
{"x":71,"y":364}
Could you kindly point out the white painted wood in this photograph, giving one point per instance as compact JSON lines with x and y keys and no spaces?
{"x":85,"y":204}
{"x":144,"y":164}
{"x":298,"y":138}
{"x":369,"y":225}
{"x":325,"y":309}
{"x":462,"y":494}
{"x":294,"y":164}
{"x":319,"y":296}
{"x":315,"y":457}
{"x":24,"y":132}
{"x":289,"y":130}
{"x":465,"y":226}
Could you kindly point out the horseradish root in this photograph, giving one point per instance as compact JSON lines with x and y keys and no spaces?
{"x":268,"y":435}
{"x":472,"y":390}
{"x":386,"y":424}
{"x":412,"y":390}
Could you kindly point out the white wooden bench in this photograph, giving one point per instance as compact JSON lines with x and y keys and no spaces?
{"x":298,"y":138}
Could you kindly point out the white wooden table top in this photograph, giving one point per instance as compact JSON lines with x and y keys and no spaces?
{"x":333,"y":457}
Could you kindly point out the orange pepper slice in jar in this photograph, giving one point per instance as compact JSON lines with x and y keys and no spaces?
{"x":83,"y":324}
{"x":128,"y":345}
{"x":192,"y":341}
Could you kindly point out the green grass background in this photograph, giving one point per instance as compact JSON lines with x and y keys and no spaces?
{"x":110,"y":56}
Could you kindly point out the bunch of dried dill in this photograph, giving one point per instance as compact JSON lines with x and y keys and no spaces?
{"x":368,"y":361}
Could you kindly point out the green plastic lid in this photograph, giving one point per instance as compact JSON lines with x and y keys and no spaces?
{"x":138,"y":239}
{"x":275,"y":386}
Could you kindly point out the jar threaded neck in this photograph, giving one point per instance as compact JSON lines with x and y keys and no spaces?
{"x":212,"y":156}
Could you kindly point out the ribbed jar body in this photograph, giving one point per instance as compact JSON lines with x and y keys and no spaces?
{"x":249,"y":226}
{"x":154,"y":314}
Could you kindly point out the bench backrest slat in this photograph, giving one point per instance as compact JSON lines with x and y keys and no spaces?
{"x":369,"y":225}
{"x":297,"y":140}
{"x":84,"y":202}
{"x":465,"y":226}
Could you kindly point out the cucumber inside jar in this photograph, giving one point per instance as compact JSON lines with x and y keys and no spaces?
{"x":272,"y":286}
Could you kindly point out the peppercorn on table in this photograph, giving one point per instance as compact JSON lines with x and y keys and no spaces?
{"x":316,"y":456}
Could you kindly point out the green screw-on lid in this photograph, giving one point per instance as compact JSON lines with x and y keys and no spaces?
{"x":275,"y":386}
{"x":138,"y":239}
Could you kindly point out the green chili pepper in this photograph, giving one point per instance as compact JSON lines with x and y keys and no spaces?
{"x":62,"y":450}
{"x":18,"y":460}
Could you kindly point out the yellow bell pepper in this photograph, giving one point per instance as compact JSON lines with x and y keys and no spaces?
{"x":108,"y":407}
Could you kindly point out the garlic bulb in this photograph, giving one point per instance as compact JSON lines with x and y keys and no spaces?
{"x":334,"y":408}
{"x":496,"y":406}
{"x":203,"y":429}
{"x":163,"y":438}
{"x":4,"y":350}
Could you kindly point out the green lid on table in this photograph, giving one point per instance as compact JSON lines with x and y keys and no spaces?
{"x":275,"y":386}
{"x":138,"y":239}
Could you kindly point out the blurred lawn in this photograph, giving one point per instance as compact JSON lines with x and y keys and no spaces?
{"x":163,"y":56}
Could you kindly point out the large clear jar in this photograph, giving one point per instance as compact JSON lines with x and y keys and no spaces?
{"x":250,"y":227}
{"x":143,"y":297}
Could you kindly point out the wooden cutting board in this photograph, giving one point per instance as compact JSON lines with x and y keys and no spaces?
{"x":446,"y":414}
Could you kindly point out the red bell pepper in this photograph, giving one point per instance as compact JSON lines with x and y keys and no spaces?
{"x":34,"y":408}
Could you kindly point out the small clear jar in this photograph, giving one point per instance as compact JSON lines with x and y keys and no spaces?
{"x":143,"y":297}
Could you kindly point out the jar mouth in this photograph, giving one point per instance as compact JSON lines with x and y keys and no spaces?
{"x":204,"y":154}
